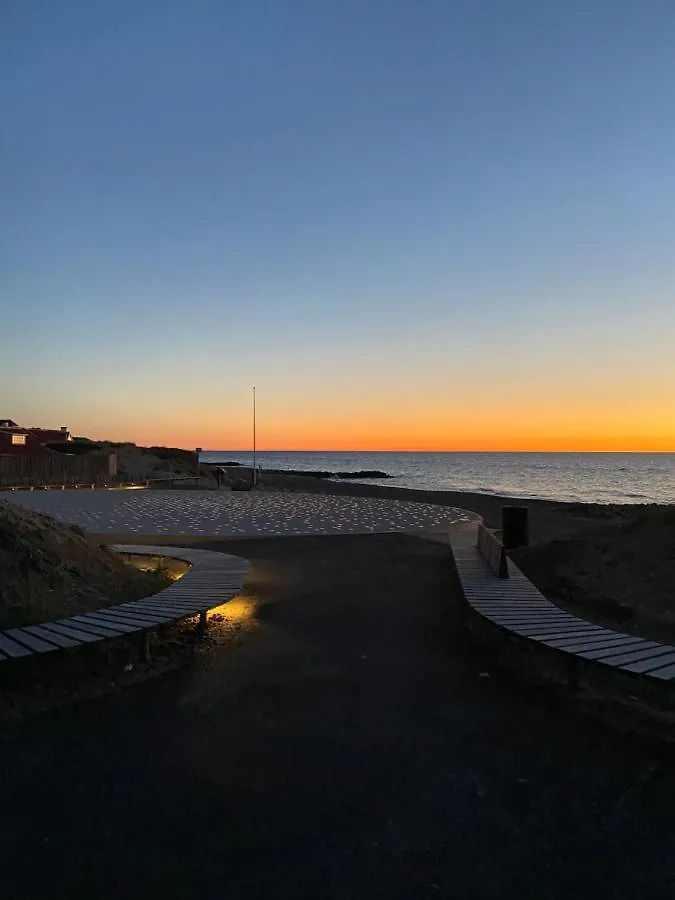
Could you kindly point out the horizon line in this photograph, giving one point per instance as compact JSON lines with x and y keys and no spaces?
{"x":356,"y":450}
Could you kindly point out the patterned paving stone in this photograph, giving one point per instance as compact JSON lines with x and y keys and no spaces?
{"x":215,"y":513}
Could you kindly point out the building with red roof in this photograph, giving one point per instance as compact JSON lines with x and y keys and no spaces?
{"x":15,"y":440}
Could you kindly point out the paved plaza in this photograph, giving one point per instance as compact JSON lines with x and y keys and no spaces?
{"x":230,"y":513}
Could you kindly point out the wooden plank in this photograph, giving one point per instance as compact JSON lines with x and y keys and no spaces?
{"x":154,"y":617}
{"x":549,"y":629}
{"x":533,"y":619}
{"x":149,"y":602}
{"x":513,"y":587}
{"x":517,"y":598}
{"x":600,"y":654}
{"x":646,"y":665}
{"x":666,"y":673}
{"x":592,"y":643}
{"x":129,"y":619}
{"x":30,"y":640}
{"x":89,"y":627}
{"x":221,"y":578}
{"x":103,"y":618}
{"x":51,"y":637}
{"x":115,"y":627}
{"x":170,"y":607}
{"x":560,"y":630}
{"x":84,"y":637}
{"x":479,"y":595}
{"x":535,"y":624}
{"x":204,"y":573}
{"x":527,"y":611}
{"x":166,"y":614}
{"x":521,"y":609}
{"x":572,"y":634}
{"x":635,"y":655}
{"x":149,"y":607}
{"x":164,"y":601}
{"x":517,"y":605}
{"x":145,"y":617}
{"x":556,"y":625}
{"x":11,"y":648}
{"x":481,"y":598}
{"x":157,"y":610}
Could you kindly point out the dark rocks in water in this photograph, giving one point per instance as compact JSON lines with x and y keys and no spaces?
{"x":366,"y":473}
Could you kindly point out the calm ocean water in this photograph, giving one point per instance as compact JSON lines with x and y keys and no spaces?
{"x":585,"y":477}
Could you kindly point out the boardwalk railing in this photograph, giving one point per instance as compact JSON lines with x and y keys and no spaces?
{"x":492,"y":551}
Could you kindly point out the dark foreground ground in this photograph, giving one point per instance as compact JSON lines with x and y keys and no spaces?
{"x":340,"y":742}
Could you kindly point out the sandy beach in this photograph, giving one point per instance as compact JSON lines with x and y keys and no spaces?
{"x":549,"y":520}
{"x":611,"y":564}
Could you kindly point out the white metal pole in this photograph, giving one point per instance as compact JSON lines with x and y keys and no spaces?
{"x":253,"y":477}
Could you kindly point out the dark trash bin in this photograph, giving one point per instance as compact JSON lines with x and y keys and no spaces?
{"x":515,"y":529}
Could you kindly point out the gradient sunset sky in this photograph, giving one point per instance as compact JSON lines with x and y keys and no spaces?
{"x":411,"y":224}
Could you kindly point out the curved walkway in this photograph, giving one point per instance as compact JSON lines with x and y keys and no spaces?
{"x":212,"y":579}
{"x":518,"y":607}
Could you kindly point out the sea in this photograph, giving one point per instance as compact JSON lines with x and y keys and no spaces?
{"x":571,"y":477}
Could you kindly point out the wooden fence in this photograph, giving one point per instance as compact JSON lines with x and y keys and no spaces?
{"x":25,"y":471}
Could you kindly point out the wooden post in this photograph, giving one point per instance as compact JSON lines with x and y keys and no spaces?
{"x":202,"y":621}
{"x":144,"y":651}
{"x":515,"y":530}
{"x":572,"y":672}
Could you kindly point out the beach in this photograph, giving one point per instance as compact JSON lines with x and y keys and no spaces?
{"x":610,"y":563}
{"x":549,"y":519}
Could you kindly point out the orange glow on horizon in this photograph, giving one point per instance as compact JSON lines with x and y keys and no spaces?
{"x":467,"y":442}
{"x":534,"y":418}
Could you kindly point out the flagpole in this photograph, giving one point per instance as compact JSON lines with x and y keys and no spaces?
{"x":253,"y":479}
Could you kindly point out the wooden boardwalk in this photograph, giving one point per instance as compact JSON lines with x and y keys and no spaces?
{"x":517,"y":606}
{"x":212,"y":579}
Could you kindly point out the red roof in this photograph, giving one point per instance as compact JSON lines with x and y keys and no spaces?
{"x":34,"y":439}
{"x":49,"y":435}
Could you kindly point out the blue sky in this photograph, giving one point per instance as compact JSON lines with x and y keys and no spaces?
{"x":373,"y":211}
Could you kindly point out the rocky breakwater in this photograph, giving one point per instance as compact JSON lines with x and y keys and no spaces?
{"x":239,"y":477}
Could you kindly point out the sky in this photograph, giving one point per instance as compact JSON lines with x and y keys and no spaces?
{"x":411,"y":224}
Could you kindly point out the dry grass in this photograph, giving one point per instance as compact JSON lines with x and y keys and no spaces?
{"x":49,"y":571}
{"x":622,"y":575}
